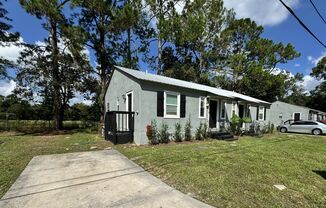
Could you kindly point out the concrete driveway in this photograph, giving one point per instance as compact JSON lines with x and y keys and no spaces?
{"x":91,"y":179}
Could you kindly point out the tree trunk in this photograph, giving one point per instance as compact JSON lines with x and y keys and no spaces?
{"x":129,"y":61}
{"x":55,"y":76}
{"x":159,"y":57}
{"x":104,"y":71}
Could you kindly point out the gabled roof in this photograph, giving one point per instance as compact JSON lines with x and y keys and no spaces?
{"x":190,"y":85}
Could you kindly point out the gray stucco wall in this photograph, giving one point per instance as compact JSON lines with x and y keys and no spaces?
{"x":149,"y":107}
{"x":145,"y":104}
{"x":120,"y":84}
{"x":281,"y":112}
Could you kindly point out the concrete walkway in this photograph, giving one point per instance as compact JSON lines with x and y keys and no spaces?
{"x":91,"y":179}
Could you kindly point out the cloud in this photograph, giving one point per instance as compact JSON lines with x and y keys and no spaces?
{"x":297,"y":65}
{"x":310,"y":83}
{"x":264,"y":12}
{"x":79,"y":98}
{"x":6,"y":88}
{"x":11,"y":51}
{"x":315,"y":60}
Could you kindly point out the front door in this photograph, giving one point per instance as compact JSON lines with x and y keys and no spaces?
{"x":212,"y":113}
{"x":241,"y":111}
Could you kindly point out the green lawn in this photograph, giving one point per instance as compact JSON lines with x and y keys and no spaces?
{"x":242,"y":173}
{"x":17,"y":150}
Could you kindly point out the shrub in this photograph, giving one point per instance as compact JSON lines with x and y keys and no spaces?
{"x":164,"y":134}
{"x":199,"y":132}
{"x":188,"y":128}
{"x":154,"y":135}
{"x":177,"y":132}
{"x":235,"y":125}
{"x":272,"y":129}
{"x":205,"y":131}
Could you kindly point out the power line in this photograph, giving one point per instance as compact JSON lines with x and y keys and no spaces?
{"x":312,"y":3}
{"x":302,"y":24}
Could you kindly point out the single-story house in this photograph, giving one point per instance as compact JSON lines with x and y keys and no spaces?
{"x":169,"y":100}
{"x":281,"y":111}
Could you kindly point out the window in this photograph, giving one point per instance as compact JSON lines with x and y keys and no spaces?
{"x":172,"y":105}
{"x":202,"y":107}
{"x":234,"y":108}
{"x":223,"y":112}
{"x":261,"y":113}
{"x":296,"y":116}
{"x":248,"y":110}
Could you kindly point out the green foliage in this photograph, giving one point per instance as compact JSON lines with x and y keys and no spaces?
{"x":188,"y":127}
{"x":251,"y":59}
{"x":246,"y":120}
{"x":205,"y":130}
{"x":6,"y":37}
{"x":177,"y":132}
{"x":154,"y":138}
{"x":235,"y":125}
{"x":199,"y":132}
{"x":164,"y":134}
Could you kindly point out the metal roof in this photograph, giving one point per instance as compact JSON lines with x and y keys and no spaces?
{"x":190,"y":85}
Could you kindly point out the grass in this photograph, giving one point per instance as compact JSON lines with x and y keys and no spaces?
{"x":17,"y":150}
{"x":39,"y":126}
{"x":242,"y":173}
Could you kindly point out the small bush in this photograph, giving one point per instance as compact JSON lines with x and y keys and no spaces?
{"x":272,"y":129}
{"x":205,"y":131}
{"x":164,"y":134}
{"x":199,"y":132}
{"x":188,"y":128}
{"x":177,"y":133}
{"x":235,"y":125}
{"x":154,"y":135}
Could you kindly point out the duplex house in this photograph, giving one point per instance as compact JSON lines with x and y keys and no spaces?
{"x":168,"y":100}
{"x":281,"y":111}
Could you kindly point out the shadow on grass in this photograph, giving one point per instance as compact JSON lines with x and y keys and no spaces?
{"x":322,"y":173}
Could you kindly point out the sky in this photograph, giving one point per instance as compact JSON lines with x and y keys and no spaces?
{"x":279,"y":26}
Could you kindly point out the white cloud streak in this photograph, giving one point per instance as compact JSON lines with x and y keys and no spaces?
{"x":264,"y":12}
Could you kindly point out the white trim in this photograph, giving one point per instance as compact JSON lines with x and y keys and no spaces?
{"x":178,"y":104}
{"x":223,"y":104}
{"x":262,"y":113}
{"x":248,"y":107}
{"x":205,"y":111}
{"x":236,"y":111}
{"x":295,"y":113}
{"x":132,"y":100}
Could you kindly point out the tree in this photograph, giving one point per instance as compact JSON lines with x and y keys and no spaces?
{"x":6,"y":37}
{"x":194,"y":32}
{"x":111,"y":27}
{"x":318,"y":95}
{"x":35,"y":77}
{"x":319,"y":71}
{"x":51,"y":12}
{"x":247,"y":62}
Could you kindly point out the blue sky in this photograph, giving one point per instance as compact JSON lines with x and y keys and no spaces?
{"x":279,"y":25}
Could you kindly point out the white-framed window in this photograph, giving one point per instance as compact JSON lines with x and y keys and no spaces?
{"x":296,"y":116}
{"x":202,"y":107}
{"x":248,"y":114}
{"x":261,"y":113}
{"x":223,"y":109}
{"x":234,"y":109}
{"x":171,"y":105}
